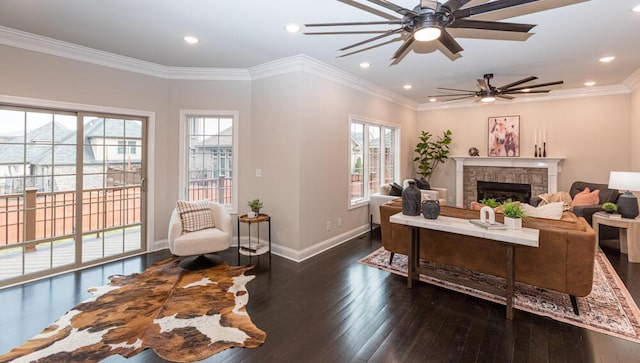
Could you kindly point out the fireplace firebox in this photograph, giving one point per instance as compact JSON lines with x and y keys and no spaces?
{"x":504,"y":191}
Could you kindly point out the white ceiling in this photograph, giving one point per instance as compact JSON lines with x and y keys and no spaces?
{"x":566,"y":45}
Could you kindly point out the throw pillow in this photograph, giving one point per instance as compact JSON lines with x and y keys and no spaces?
{"x":586,"y":197}
{"x":385,"y":189}
{"x":563,"y":197}
{"x":195,"y":215}
{"x":422,"y":184}
{"x":550,"y":211}
{"x":396,"y":190}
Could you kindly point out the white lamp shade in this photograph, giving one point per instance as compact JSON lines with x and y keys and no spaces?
{"x":624,"y":180}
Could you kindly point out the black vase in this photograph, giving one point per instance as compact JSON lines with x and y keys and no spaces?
{"x":411,"y":197}
{"x":431,"y":209}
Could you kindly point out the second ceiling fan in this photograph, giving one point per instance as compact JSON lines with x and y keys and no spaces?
{"x":428,"y":21}
{"x":488,"y":92}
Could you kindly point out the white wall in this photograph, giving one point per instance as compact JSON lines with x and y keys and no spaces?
{"x":634,"y":135}
{"x":593,"y":133}
{"x":301,"y":143}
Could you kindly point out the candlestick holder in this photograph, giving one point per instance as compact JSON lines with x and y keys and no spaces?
{"x":535,"y":153}
{"x":539,"y":151}
{"x":544,"y":149}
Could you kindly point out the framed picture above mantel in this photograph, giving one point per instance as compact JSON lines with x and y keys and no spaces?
{"x":504,"y":136}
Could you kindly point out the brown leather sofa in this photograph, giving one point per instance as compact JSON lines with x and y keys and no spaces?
{"x":563,"y":262}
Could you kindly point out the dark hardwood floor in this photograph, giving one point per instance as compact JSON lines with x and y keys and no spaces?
{"x":332,"y":309}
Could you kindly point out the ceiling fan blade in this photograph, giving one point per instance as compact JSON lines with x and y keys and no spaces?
{"x":351,"y":32}
{"x":525,"y":93}
{"x":491,"y":25}
{"x":377,"y":37}
{"x":447,"y":40}
{"x":455,"y":89}
{"x":389,"y":22}
{"x":536,"y":85}
{"x":488,"y":7}
{"x":454,"y":5}
{"x":367,"y":48}
{"x":393,"y":7}
{"x":517,"y":83}
{"x":505,"y":97}
{"x":369,"y":9}
{"x":403,"y":48}
{"x":482,"y":84}
{"x":454,"y":95}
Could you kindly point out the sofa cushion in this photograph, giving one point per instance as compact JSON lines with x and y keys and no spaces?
{"x":586,"y":197}
{"x":396,"y":190}
{"x":606,"y":194}
{"x":195,"y":215}
{"x":422,"y":184}
{"x":549,"y":211}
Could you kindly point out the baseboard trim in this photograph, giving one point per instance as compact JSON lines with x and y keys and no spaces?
{"x":288,"y":252}
{"x":299,"y":256}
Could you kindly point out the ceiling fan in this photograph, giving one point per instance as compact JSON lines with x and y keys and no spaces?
{"x":429,"y":21}
{"x":489,"y":92}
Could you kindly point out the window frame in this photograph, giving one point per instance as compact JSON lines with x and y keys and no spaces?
{"x":183,"y":164}
{"x":367,"y":122}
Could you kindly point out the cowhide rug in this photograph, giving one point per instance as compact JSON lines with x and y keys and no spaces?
{"x":183,"y":316}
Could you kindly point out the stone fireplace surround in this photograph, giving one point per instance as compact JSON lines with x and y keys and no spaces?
{"x":541,"y":173}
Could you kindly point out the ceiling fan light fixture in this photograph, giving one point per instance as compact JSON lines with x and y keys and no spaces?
{"x":526,"y":90}
{"x":433,"y":99}
{"x":487,"y":99}
{"x":427,"y":33}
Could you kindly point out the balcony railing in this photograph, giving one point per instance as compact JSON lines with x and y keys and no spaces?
{"x":33,"y":217}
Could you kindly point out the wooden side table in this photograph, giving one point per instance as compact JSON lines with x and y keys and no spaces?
{"x":254,"y":247}
{"x":629,"y":233}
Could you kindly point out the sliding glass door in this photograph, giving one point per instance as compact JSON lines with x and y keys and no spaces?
{"x":55,"y":215}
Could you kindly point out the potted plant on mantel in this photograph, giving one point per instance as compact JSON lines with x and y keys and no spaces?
{"x":431,"y":153}
{"x":513,"y":215}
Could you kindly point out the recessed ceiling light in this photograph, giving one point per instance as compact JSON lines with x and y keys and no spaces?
{"x":407,"y":86}
{"x":365,"y":65}
{"x":607,"y":59}
{"x":292,"y":28}
{"x":433,"y":99}
{"x":636,"y":9}
{"x":191,"y":39}
{"x":590,"y":83}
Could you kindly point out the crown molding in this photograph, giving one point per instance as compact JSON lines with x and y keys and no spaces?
{"x":309,"y":65}
{"x":19,"y":39}
{"x":633,"y":81}
{"x":551,"y":96}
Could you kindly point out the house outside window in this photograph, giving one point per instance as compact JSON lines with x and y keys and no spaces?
{"x":121,"y":147}
{"x":374,"y":151}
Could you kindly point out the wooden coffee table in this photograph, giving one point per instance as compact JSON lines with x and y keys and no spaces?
{"x":509,"y":238}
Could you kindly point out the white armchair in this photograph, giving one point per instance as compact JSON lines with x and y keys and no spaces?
{"x":202,"y":242}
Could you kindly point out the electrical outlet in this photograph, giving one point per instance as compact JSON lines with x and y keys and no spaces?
{"x":339,"y":222}
{"x":258,"y":173}
{"x":328,"y":226}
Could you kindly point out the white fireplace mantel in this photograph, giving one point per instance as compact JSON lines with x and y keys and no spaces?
{"x":553,"y":166}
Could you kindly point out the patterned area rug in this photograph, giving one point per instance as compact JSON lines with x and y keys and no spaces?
{"x":184,"y":316}
{"x":609,"y":308}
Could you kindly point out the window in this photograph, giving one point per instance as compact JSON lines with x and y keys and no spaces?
{"x":374,"y":158}
{"x":209,"y":147}
{"x":132,"y":147}
{"x":120,"y":147}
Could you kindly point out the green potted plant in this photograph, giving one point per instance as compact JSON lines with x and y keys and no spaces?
{"x":255,"y":205}
{"x":610,"y":207}
{"x":490,"y":202}
{"x":431,"y":153}
{"x":513,"y":215}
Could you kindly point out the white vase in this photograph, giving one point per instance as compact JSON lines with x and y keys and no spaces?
{"x":513,"y":223}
